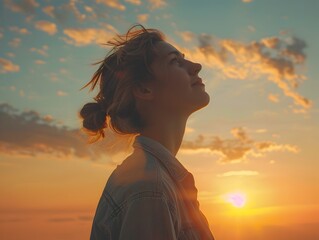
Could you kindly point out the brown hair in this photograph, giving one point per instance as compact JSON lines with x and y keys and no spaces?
{"x":126,"y":65}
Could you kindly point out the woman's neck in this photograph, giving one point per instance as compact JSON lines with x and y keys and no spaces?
{"x":169,"y":132}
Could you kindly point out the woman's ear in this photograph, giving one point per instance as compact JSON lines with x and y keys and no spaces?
{"x":143,"y":92}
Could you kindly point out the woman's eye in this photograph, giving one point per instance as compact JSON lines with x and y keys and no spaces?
{"x":177,"y":61}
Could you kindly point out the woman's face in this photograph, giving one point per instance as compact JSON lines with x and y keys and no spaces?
{"x":177,"y":87}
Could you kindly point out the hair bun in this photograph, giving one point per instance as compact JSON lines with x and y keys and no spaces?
{"x":93,"y":116}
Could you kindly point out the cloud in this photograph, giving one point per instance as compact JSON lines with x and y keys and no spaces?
{"x":237,"y":149}
{"x":8,"y":66}
{"x":39,"y":62}
{"x":65,"y":11}
{"x":134,"y":2}
{"x":275,"y":58}
{"x":19,"y":30}
{"x":27,"y":133}
{"x":42,"y":51}
{"x":238,"y":173}
{"x":46,"y":26}
{"x":113,"y":4}
{"x":142,"y":18}
{"x":273,"y":98}
{"x":61,"y":93}
{"x":86,"y":36}
{"x":49,"y":10}
{"x":15,"y":42}
{"x":261,"y":130}
{"x":155,"y":4}
{"x":24,"y":6}
{"x":10,"y":54}
{"x":187,"y":36}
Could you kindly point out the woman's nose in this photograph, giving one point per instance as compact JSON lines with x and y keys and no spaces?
{"x":195,"y":68}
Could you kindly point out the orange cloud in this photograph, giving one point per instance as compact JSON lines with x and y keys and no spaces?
{"x":25,"y":6}
{"x":8,"y":66}
{"x":46,"y":26}
{"x":276,"y":58}
{"x":239,"y":173}
{"x":61,"y":93}
{"x":187,"y":36}
{"x":29,"y":134}
{"x":65,"y":11}
{"x":39,"y":62}
{"x":135,"y":2}
{"x":237,"y":149}
{"x":81,"y":37}
{"x":42,"y":51}
{"x":273,"y":98}
{"x":19,"y":30}
{"x":155,"y":4}
{"x":49,"y":10}
{"x":142,"y":18}
{"x":113,"y":4}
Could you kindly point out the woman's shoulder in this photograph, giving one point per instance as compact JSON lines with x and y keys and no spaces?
{"x":139,"y":173}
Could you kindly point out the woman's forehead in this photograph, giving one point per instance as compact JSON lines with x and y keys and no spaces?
{"x":164,"y":49}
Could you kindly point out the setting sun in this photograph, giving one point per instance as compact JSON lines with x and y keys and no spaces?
{"x":237,"y":199}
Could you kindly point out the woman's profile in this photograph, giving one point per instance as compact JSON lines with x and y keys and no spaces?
{"x":148,"y":89}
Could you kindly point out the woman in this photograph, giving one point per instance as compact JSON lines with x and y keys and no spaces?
{"x":147,"y":89}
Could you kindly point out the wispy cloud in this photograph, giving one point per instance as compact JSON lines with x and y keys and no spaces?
{"x":49,"y":10}
{"x":46,"y":26}
{"x":155,"y":4}
{"x":238,"y":173}
{"x":61,"y":93}
{"x":19,"y":30}
{"x":15,"y":42}
{"x":237,"y":149}
{"x":42,"y":51}
{"x":8,"y":66}
{"x":113,"y":4}
{"x":274,"y":58}
{"x":187,"y":36}
{"x":39,"y":62}
{"x":63,"y":12}
{"x":85,"y":36}
{"x":273,"y":98}
{"x":142,"y":18}
{"x":25,"y":6}
{"x":134,"y":2}
{"x":28,"y":133}
{"x":10,"y":54}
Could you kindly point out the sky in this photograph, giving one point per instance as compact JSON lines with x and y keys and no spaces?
{"x":252,"y":150}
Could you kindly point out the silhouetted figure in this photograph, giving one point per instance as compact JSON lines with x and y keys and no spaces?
{"x":147,"y":89}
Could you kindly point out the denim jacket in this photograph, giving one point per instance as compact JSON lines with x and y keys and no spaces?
{"x":150,"y":196}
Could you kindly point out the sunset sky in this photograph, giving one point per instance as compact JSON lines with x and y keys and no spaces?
{"x":253,"y":150}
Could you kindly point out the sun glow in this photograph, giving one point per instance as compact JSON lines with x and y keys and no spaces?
{"x":237,"y":199}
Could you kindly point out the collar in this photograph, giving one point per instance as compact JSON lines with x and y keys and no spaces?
{"x":170,"y":162}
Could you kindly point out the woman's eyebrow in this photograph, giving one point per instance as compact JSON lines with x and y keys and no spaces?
{"x":176,"y":53}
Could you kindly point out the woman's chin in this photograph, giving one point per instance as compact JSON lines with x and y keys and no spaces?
{"x":202,"y":102}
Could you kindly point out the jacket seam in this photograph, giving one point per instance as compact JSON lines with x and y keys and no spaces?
{"x":132,"y":198}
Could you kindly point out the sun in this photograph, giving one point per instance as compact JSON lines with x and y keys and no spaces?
{"x":237,"y":199}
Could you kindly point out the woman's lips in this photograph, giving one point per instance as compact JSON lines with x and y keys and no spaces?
{"x":199,"y":82}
